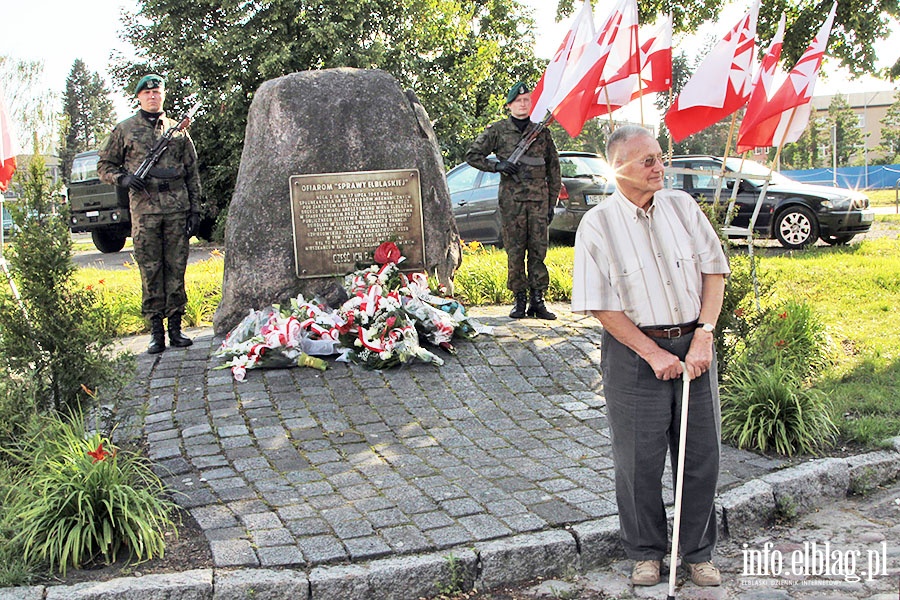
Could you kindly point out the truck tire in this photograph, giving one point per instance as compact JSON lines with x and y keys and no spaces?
{"x":108,"y":242}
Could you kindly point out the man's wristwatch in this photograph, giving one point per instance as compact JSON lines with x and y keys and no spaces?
{"x":707,"y":327}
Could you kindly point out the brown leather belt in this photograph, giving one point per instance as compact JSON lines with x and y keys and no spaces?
{"x":669,"y":333}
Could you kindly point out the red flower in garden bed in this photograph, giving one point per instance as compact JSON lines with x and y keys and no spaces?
{"x":99,"y":454}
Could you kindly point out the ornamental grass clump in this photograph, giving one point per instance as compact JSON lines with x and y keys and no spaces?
{"x":768,"y":407}
{"x":82,"y":500}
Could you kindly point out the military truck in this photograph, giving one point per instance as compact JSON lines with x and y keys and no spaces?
{"x":97,"y":207}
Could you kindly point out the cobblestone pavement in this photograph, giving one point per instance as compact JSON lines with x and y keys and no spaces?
{"x":300,"y":467}
{"x":492,"y":469}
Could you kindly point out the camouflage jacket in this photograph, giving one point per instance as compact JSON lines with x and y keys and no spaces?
{"x":173,"y":184}
{"x":538,"y":168}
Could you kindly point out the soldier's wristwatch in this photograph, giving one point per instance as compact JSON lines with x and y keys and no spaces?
{"x":707,"y":327}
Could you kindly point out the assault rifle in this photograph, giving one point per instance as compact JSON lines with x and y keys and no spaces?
{"x":531,"y":134}
{"x":162,"y":144}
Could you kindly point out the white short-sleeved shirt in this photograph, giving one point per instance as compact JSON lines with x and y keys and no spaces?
{"x":648,"y":264}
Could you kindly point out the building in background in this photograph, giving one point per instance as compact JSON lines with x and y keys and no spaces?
{"x":870,"y":108}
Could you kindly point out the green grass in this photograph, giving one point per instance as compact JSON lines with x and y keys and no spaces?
{"x":856,"y":290}
{"x":882,"y":197}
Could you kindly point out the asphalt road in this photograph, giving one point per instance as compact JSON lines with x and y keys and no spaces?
{"x":93,"y":258}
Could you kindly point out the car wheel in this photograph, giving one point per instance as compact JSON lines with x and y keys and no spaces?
{"x":838,"y":240}
{"x":796,"y":227}
{"x":107,"y":242}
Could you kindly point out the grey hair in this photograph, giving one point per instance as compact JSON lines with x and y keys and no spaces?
{"x":621,"y":135}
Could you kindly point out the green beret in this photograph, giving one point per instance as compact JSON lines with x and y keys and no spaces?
{"x":516,"y":91}
{"x":150,"y":82}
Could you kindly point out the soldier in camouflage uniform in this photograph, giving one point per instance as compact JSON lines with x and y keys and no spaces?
{"x":528,"y":193}
{"x":164,"y":207}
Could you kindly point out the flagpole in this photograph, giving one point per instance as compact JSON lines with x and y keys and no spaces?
{"x":724,"y":159}
{"x":612,"y":123}
{"x":637,"y":44}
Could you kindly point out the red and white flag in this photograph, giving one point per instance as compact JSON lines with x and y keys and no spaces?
{"x":9,"y":147}
{"x":563,"y":63}
{"x":577,"y":101}
{"x":655,"y":71}
{"x":783,"y":117}
{"x":763,"y":87}
{"x":722,"y":83}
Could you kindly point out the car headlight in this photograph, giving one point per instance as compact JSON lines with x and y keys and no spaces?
{"x":837,"y":204}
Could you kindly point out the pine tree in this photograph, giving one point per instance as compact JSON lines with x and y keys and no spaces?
{"x":88,"y":114}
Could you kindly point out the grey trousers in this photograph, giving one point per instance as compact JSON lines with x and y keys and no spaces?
{"x":644,"y":418}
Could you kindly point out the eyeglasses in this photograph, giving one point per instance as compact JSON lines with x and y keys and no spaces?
{"x":650,"y":161}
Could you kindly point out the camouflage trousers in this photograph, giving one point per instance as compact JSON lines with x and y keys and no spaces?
{"x":161,"y":251}
{"x":525,"y":238}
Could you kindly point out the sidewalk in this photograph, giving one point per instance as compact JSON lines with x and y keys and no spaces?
{"x":490,"y":470}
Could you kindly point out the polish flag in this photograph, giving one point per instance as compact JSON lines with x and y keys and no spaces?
{"x":578,"y":100}
{"x":655,"y":75}
{"x":563,"y":63}
{"x":9,"y":147}
{"x":722,"y":83}
{"x":784,"y":117}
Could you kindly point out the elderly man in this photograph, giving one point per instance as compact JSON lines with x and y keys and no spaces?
{"x":528,"y":192}
{"x":650,"y":267}
{"x":164,"y":207}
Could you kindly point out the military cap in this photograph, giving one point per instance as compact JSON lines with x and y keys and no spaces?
{"x":149,"y":82}
{"x":517,"y":90}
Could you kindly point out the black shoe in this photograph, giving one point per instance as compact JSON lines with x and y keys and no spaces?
{"x":518,"y":311}
{"x":157,"y":336}
{"x":537,"y":308}
{"x":176,"y":338}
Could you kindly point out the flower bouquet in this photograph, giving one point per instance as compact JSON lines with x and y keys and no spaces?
{"x":270,"y":338}
{"x":378,"y":327}
{"x":379,"y":333}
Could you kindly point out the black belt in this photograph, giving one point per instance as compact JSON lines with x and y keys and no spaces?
{"x":164,"y":185}
{"x":669,"y":333}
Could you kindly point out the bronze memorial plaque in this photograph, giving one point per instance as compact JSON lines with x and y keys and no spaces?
{"x":340,"y":218}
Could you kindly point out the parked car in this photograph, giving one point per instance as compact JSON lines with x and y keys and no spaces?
{"x":794,"y":213}
{"x":586,"y":182}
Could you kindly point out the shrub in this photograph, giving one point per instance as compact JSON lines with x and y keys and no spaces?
{"x":739,"y":314}
{"x":54,"y":338}
{"x":80,"y":499}
{"x":793,"y":336}
{"x":768,"y":407}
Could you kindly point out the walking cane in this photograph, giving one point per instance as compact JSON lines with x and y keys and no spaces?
{"x":679,"y":478}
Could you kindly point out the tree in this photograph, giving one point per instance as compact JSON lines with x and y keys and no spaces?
{"x":30,"y":106}
{"x":847,"y":134}
{"x":890,"y":131}
{"x":858,"y":24}
{"x":806,"y":152}
{"x":88,"y":114}
{"x":458,"y":56}
{"x":54,"y":338}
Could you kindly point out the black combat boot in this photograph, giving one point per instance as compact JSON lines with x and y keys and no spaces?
{"x":518,"y":311}
{"x":537,"y":308}
{"x":177,"y":340}
{"x":157,"y":336}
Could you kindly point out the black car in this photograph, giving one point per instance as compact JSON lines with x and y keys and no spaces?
{"x":794,"y":213}
{"x":586,"y":181}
